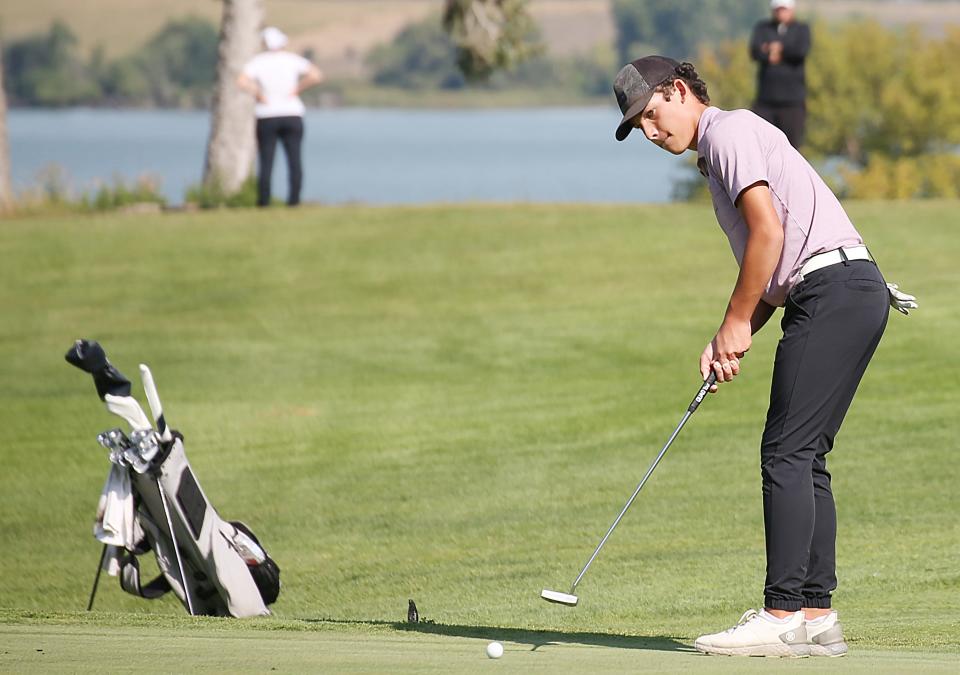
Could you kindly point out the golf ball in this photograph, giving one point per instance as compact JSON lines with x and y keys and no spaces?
{"x":494,"y":650}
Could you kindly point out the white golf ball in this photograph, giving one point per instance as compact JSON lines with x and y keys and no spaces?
{"x":494,"y":650}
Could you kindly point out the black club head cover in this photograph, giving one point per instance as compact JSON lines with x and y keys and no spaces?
{"x":88,"y":356}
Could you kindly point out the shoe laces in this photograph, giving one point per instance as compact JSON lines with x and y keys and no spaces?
{"x":747,"y":617}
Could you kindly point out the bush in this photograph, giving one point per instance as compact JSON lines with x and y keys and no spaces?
{"x":935,"y":176}
{"x":53,"y":193}
{"x":211,"y":195}
{"x":119,"y":195}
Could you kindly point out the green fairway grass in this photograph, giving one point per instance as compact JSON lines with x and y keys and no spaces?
{"x":452,"y":404}
{"x":392,"y":648}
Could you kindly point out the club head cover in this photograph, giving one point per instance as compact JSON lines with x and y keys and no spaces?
{"x":88,"y":356}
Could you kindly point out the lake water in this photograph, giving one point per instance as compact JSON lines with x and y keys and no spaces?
{"x":374,"y":156}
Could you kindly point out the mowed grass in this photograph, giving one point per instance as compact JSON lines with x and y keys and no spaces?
{"x":451,"y":404}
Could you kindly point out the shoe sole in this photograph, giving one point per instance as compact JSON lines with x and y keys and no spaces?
{"x":779,"y":650}
{"x":832,"y":650}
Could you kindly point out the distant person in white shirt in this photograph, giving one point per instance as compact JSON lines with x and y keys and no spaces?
{"x":276,"y":77}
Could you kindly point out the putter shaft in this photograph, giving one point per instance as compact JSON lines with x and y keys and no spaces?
{"x":705,"y":387}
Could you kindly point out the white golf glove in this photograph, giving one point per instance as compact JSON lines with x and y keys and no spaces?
{"x":902,"y":302}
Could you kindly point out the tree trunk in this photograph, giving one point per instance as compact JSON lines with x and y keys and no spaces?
{"x":6,"y":188}
{"x":231,"y":148}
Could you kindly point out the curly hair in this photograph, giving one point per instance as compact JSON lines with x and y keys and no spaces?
{"x":686,"y":72}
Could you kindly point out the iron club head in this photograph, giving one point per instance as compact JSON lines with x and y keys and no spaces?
{"x":559,"y":598}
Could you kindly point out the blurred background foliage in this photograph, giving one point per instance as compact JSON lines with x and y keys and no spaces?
{"x":490,"y":35}
{"x":677,"y":28}
{"x":883,"y":101}
{"x":883,"y":106}
{"x":175,"y":68}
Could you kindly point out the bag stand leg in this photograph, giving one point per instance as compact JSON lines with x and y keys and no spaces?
{"x":176,"y":548}
{"x":96,"y":579}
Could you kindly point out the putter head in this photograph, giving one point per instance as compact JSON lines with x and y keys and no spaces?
{"x":559,"y":598}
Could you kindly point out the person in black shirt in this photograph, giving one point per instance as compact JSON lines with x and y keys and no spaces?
{"x":780,"y":45}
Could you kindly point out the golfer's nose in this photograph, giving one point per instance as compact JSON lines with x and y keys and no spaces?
{"x":649,"y":130}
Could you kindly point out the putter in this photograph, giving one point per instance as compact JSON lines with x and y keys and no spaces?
{"x":570,"y":599}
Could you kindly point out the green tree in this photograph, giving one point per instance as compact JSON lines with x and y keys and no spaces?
{"x":729,"y":73}
{"x":424,"y":56}
{"x":421,"y":56}
{"x":490,"y":35}
{"x":677,"y":27}
{"x":46,"y":70}
{"x":180,"y":62}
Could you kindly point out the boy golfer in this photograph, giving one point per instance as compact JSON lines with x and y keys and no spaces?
{"x":796,"y":249}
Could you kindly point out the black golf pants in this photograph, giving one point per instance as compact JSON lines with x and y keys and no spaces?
{"x":289,"y":131}
{"x":832,"y":324}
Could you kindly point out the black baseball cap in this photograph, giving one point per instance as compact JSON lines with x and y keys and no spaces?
{"x":635,"y":84}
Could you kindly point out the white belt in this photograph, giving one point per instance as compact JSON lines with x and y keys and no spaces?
{"x":821,"y":260}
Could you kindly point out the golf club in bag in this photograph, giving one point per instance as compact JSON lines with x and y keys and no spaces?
{"x":153,"y":502}
{"x":570,"y":599}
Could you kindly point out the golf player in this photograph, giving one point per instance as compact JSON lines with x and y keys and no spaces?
{"x":276,"y":78}
{"x":796,"y":249}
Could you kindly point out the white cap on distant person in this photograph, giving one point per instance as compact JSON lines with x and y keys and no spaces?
{"x":782,"y":4}
{"x":274,"y":38}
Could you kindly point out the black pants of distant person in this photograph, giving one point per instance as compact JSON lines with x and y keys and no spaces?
{"x":289,"y":131}
{"x":790,"y":118}
{"x":832,"y":324}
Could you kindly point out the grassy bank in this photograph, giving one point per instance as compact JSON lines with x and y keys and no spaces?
{"x":451,"y":404}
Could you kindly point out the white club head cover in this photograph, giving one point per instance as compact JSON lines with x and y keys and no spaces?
{"x":902,"y":302}
{"x":128,"y":408}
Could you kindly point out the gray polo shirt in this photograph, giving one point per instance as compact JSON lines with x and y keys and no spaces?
{"x":735,"y":149}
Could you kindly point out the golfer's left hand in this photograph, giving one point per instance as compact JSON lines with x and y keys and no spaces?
{"x":724,"y":352}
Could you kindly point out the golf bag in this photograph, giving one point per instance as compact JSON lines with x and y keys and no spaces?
{"x":152,"y":501}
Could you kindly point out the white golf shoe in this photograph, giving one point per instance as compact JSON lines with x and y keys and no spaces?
{"x":825,"y":636}
{"x":759,"y":634}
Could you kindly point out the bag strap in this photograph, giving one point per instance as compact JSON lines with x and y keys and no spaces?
{"x":130,"y":580}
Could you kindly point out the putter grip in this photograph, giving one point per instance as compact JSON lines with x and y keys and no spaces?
{"x":704,"y":388}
